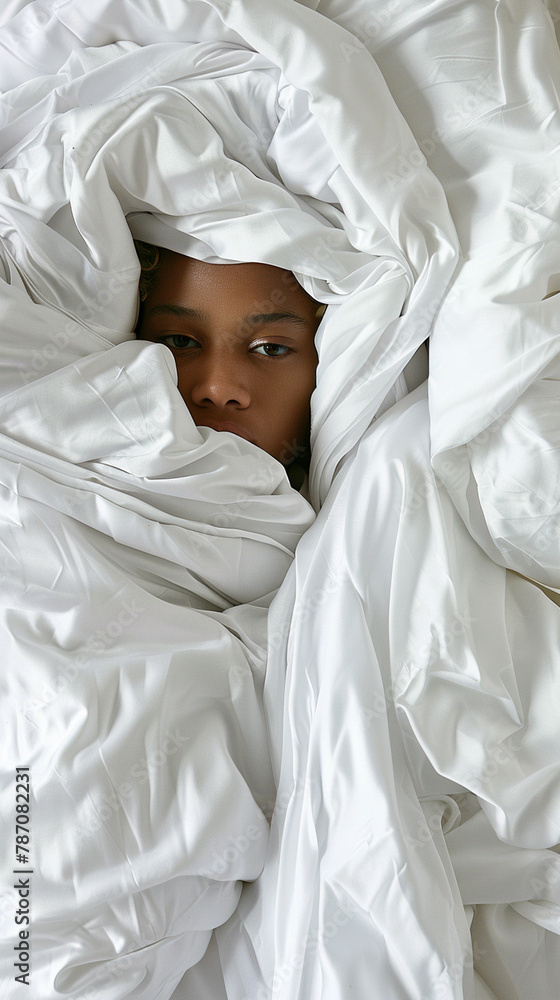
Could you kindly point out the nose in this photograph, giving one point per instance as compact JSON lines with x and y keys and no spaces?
{"x":220,"y":381}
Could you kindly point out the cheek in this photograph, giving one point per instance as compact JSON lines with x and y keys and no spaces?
{"x":184,"y":383}
{"x":303,"y":387}
{"x":295,"y":407}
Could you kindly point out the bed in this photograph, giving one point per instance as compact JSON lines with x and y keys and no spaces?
{"x":280,"y":748}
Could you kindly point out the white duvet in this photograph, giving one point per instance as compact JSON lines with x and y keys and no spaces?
{"x":400,"y":700}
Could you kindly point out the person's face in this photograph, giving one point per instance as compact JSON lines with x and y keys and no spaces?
{"x":243,"y":340}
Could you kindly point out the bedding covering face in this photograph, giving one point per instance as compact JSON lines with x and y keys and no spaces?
{"x":135,"y":695}
{"x":434,"y":688}
{"x":412,"y":846}
{"x":142,"y":552}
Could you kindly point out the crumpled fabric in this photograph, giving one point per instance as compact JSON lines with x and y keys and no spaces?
{"x":478,"y":85}
{"x":133,"y":550}
{"x":435,"y":649}
{"x":141,"y":552}
{"x":279,"y":170}
{"x":409,"y":721}
{"x":416,"y":758}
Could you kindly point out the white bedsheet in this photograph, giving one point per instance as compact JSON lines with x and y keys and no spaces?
{"x":478,"y":84}
{"x":410,"y":697}
{"x":419,"y":669}
{"x":132,"y":682}
{"x":134,"y":686}
{"x":421,"y":686}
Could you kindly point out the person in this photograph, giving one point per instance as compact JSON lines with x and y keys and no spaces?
{"x":243,"y":340}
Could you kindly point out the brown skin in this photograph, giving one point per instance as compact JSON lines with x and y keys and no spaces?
{"x":243,"y":340}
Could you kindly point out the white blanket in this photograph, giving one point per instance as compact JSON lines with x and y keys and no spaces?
{"x":417,"y":760}
{"x":418,"y":778}
{"x":132,"y":687}
{"x":410,"y":677}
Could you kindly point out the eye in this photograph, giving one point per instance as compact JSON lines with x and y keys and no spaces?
{"x":271,"y":350}
{"x":178,"y":341}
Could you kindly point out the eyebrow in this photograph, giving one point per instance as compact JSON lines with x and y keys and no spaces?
{"x":172,"y":310}
{"x":273,"y":317}
{"x":255,"y":319}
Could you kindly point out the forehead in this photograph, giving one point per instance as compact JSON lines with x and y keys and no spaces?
{"x":247,"y":287}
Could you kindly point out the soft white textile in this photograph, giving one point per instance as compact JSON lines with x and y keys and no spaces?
{"x":414,"y":736}
{"x":417,"y":668}
{"x":421,"y":659}
{"x":478,"y":84}
{"x":134,"y":686}
{"x":221,"y":195}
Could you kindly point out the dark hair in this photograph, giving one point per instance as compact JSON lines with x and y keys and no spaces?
{"x":148,"y":255}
